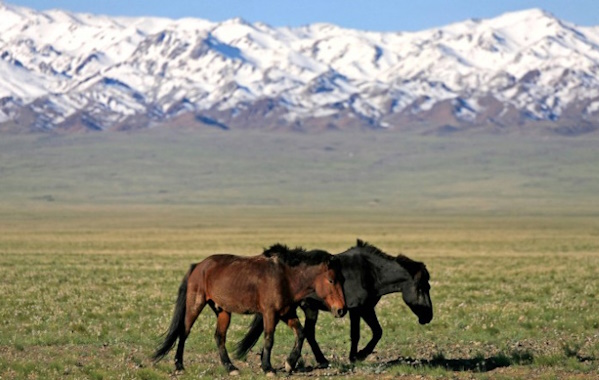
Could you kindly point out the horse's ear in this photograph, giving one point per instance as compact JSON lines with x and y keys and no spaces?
{"x":359,"y":242}
{"x":418,"y":276}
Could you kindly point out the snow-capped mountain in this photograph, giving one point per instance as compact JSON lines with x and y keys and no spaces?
{"x":63,"y":70}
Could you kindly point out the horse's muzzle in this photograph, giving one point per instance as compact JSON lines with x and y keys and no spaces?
{"x":338,"y":313}
{"x":424,"y":321}
{"x":425,"y":318}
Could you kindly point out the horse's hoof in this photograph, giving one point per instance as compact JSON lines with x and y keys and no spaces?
{"x":361,"y":356}
{"x":271,"y":374}
{"x":300,"y":363}
{"x":234,"y":372}
{"x":179,"y":372}
{"x":323,"y":365}
{"x":288,"y":367}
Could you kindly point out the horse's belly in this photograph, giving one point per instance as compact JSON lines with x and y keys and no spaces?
{"x":235,"y":306}
{"x":241,"y":299}
{"x":243,"y":288}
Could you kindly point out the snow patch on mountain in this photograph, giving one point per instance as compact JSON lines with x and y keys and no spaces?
{"x":63,"y":69}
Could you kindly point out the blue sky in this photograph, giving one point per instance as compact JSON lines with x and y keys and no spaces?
{"x":378,"y":15}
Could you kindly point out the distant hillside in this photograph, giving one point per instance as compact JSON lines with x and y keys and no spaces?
{"x":396,"y":173}
{"x":72,"y":71}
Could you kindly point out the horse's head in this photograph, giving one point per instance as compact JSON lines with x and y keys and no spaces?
{"x":329,"y":287}
{"x":325,"y":273}
{"x":416,"y":295}
{"x":411,"y":278}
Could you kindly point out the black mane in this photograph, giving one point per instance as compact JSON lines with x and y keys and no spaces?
{"x":298,"y":255}
{"x":413,"y":267}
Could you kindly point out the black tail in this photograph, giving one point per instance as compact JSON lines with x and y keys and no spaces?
{"x":177,"y":327}
{"x":250,"y":339}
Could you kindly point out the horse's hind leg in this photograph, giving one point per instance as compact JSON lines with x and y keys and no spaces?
{"x":222,"y":324}
{"x":195,"y":305}
{"x":270,"y":322}
{"x":294,"y":323}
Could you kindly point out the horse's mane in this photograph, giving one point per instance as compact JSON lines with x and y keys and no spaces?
{"x":413,"y":267}
{"x":298,"y":255}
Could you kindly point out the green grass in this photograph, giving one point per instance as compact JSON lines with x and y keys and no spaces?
{"x":90,"y":302}
{"x":96,"y":232}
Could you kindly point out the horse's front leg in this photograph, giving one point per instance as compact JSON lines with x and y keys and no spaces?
{"x":222,"y":324}
{"x":293,"y":322}
{"x":369,"y":316}
{"x":310,"y":334}
{"x":354,"y":333}
{"x":270,"y":322}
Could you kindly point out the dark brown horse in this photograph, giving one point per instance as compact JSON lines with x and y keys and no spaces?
{"x":249,"y":285}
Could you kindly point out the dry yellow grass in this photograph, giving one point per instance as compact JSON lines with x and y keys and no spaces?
{"x":87,"y":289}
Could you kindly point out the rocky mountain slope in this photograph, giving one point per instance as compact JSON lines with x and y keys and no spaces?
{"x":70,"y":71}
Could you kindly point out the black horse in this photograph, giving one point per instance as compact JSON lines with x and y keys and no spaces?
{"x":369,"y":274}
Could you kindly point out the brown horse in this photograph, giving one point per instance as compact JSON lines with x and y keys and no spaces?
{"x":250,"y":285}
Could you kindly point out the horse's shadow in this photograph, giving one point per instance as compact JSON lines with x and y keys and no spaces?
{"x":476,"y":364}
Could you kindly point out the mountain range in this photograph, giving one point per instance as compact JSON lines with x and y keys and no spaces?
{"x":72,"y":72}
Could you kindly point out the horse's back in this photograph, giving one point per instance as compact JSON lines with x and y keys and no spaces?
{"x":241,"y":284}
{"x":225,"y":262}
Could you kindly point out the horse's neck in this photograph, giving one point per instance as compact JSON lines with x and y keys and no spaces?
{"x":388,"y":275}
{"x":301,"y":280}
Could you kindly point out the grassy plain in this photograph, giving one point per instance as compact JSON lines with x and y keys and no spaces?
{"x":96,"y":232}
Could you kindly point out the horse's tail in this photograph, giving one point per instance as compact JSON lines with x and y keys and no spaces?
{"x":249,"y":340}
{"x":177,"y":327}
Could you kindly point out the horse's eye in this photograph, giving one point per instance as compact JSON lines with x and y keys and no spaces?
{"x":330,"y":280}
